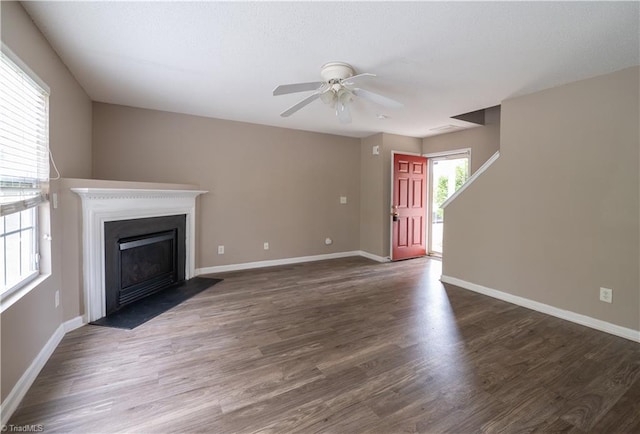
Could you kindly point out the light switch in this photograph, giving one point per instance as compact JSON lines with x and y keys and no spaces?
{"x":343,"y":199}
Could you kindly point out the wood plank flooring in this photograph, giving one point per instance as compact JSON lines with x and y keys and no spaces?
{"x":340,"y":346}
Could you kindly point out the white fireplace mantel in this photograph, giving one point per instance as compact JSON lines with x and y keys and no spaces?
{"x":100,"y":205}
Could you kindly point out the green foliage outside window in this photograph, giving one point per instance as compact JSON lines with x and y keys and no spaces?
{"x":442,"y":192}
{"x":461,"y":175}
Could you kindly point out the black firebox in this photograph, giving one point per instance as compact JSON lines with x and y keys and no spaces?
{"x":142,"y":256}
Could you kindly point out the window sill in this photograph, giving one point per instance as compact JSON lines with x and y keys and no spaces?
{"x":9,"y":299}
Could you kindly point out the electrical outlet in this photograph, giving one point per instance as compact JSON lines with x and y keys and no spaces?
{"x":328,"y":241}
{"x":220,"y":250}
{"x":343,"y":199}
{"x":57,"y":298}
{"x":606,"y":295}
{"x":266,"y":246}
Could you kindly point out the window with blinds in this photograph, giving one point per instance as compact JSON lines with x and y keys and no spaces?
{"x":24,"y":171}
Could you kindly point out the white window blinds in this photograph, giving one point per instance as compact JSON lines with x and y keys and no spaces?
{"x":24,"y":139}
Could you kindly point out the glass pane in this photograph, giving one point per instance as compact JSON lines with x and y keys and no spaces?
{"x":448,"y":175}
{"x":17,"y":250}
{"x":12,"y":260}
{"x":28,"y":217}
{"x":144,"y":263}
{"x":26,"y":246}
{"x":12,"y":222}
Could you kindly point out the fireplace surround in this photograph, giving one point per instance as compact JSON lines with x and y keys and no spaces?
{"x":102,"y":205}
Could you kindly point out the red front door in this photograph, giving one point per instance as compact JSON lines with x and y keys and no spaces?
{"x":409,"y":207}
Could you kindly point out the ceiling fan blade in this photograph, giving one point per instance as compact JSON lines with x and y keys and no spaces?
{"x":284,"y":89}
{"x":378,"y":99}
{"x":343,"y":112}
{"x":291,"y":110}
{"x":356,"y":78}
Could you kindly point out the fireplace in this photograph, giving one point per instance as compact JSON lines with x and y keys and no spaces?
{"x":101,"y":206}
{"x":142,"y":256}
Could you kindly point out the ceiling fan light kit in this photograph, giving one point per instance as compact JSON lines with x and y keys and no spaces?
{"x":335,"y":90}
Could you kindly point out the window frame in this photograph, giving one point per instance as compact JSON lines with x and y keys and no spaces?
{"x":35,"y":252}
{"x":37,"y":206}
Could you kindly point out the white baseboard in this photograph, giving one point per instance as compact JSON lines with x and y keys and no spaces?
{"x":273,"y":263}
{"x":73,"y":324}
{"x":603,"y":326}
{"x":11,"y":402}
{"x":287,"y":261}
{"x":373,"y":257}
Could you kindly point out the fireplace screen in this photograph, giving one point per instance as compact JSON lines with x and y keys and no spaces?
{"x":147,"y":261}
{"x":143,"y":256}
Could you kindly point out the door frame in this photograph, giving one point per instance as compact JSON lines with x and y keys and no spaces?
{"x":391,"y":168}
{"x":435,"y":156}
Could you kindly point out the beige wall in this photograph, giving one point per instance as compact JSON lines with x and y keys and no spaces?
{"x":29,"y":323}
{"x":484,"y":141}
{"x":375,"y":187}
{"x":265,"y":184}
{"x":557,"y":215}
{"x":371,"y":194}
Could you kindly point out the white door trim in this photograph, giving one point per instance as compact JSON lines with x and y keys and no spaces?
{"x":430,"y":157}
{"x":448,"y":153}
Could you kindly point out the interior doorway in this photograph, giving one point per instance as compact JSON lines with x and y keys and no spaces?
{"x":447,"y":173}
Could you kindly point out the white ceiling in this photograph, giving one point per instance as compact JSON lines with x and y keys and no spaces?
{"x":223,"y":59}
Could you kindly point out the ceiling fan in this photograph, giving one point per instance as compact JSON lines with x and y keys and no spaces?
{"x":337,"y":90}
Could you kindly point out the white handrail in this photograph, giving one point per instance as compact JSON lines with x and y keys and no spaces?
{"x":472,"y":178}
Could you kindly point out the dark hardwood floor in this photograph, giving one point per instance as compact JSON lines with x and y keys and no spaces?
{"x":341,"y":346}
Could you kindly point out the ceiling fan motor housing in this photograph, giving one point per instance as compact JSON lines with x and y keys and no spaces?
{"x":336,"y":71}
